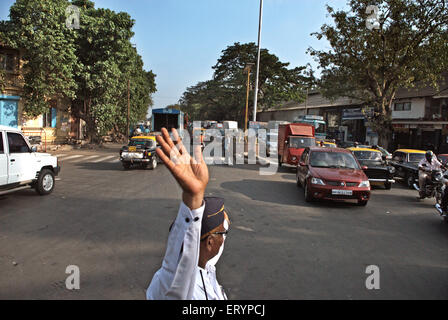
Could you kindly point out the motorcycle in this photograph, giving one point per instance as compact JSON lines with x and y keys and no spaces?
{"x":435,"y":185}
{"x":439,"y":210}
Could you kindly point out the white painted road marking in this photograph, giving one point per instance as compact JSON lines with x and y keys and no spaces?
{"x":87,"y":158}
{"x":104,"y":159}
{"x":72,"y":157}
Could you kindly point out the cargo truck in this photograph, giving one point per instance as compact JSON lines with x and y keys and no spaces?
{"x":293,"y":138}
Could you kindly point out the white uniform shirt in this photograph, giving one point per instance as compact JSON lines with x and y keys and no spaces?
{"x":179,"y":278}
{"x":433,"y":165}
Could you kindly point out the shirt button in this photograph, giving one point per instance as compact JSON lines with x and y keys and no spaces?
{"x":187,"y":220}
{"x":196,"y":219}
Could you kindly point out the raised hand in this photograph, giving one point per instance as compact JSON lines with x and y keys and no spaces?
{"x":190,"y":172}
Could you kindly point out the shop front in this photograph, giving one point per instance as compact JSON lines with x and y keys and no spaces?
{"x":422,"y":135}
{"x":354,"y":120}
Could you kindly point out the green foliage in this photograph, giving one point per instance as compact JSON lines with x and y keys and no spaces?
{"x":224,"y":96}
{"x":39,"y":28}
{"x":90,"y":65}
{"x":410,"y":46}
{"x":107,"y":62}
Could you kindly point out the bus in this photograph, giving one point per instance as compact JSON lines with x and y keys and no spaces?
{"x":318,"y":122}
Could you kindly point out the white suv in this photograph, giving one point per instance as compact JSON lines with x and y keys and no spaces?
{"x":22,"y":167}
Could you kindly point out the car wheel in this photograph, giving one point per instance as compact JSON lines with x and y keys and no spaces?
{"x":308,"y":196}
{"x":410,"y":180}
{"x":362,"y":203}
{"x":153,"y":163}
{"x":126,"y":165}
{"x":45,"y":182}
{"x":388,"y":185}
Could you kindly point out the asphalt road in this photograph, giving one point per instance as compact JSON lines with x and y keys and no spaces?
{"x":113,"y":225}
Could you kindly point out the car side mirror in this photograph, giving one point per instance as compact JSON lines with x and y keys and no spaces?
{"x":364,"y":168}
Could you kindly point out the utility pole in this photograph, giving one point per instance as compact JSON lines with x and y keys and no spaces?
{"x":247,"y":69}
{"x":129,"y":112}
{"x":258,"y":61}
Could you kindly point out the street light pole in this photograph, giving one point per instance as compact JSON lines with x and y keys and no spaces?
{"x":258,"y":61}
{"x":128,"y":113}
{"x":247,"y":69}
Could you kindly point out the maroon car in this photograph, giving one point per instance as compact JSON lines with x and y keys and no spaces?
{"x":332,"y":173}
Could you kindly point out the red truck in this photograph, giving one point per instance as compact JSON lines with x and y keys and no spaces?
{"x":293,"y":138}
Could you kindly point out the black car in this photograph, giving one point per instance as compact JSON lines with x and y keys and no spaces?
{"x":375,"y":167}
{"x":141,"y":150}
{"x":406,"y":162}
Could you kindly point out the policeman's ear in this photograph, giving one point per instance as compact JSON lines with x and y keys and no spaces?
{"x":210,"y":242}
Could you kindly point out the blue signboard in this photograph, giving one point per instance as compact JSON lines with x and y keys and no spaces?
{"x":9,"y":110}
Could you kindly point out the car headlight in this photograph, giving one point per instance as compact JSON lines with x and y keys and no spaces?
{"x":364,"y":184}
{"x":318,"y":181}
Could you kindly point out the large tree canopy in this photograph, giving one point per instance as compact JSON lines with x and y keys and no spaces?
{"x":90,"y":65}
{"x":407,"y":46}
{"x":39,"y":28}
{"x":224,"y":96}
{"x":107,"y":61}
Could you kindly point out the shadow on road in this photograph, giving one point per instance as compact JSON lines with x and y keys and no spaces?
{"x":280,"y":192}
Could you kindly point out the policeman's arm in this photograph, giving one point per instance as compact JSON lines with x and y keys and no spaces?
{"x":176,"y":279}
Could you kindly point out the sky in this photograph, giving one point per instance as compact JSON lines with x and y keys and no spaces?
{"x":180,"y":40}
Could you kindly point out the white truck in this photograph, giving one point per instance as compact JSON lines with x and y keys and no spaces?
{"x":21,"y":167}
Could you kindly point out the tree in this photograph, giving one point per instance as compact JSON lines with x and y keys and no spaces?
{"x":107,"y":61}
{"x":91,"y":65}
{"x":224,"y":96}
{"x":39,"y":28}
{"x":407,"y":46}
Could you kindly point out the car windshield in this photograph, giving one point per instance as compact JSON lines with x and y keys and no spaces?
{"x":320,"y":128}
{"x":323,"y":159}
{"x":142,"y":142}
{"x":384,"y":151}
{"x":416,"y":157}
{"x":368,"y":155}
{"x":300,"y":142}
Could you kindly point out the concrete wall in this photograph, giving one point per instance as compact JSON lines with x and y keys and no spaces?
{"x":417,"y":109}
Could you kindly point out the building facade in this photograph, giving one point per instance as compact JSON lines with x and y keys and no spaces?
{"x":419,"y":117}
{"x":53,"y":126}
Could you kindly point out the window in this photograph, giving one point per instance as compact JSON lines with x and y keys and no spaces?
{"x":17,"y":144}
{"x":1,"y":143}
{"x":402,"y":106}
{"x":49,"y":118}
{"x":322,"y":159}
{"x":398,"y":156}
{"x":7,"y":61}
{"x":298,"y":142}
